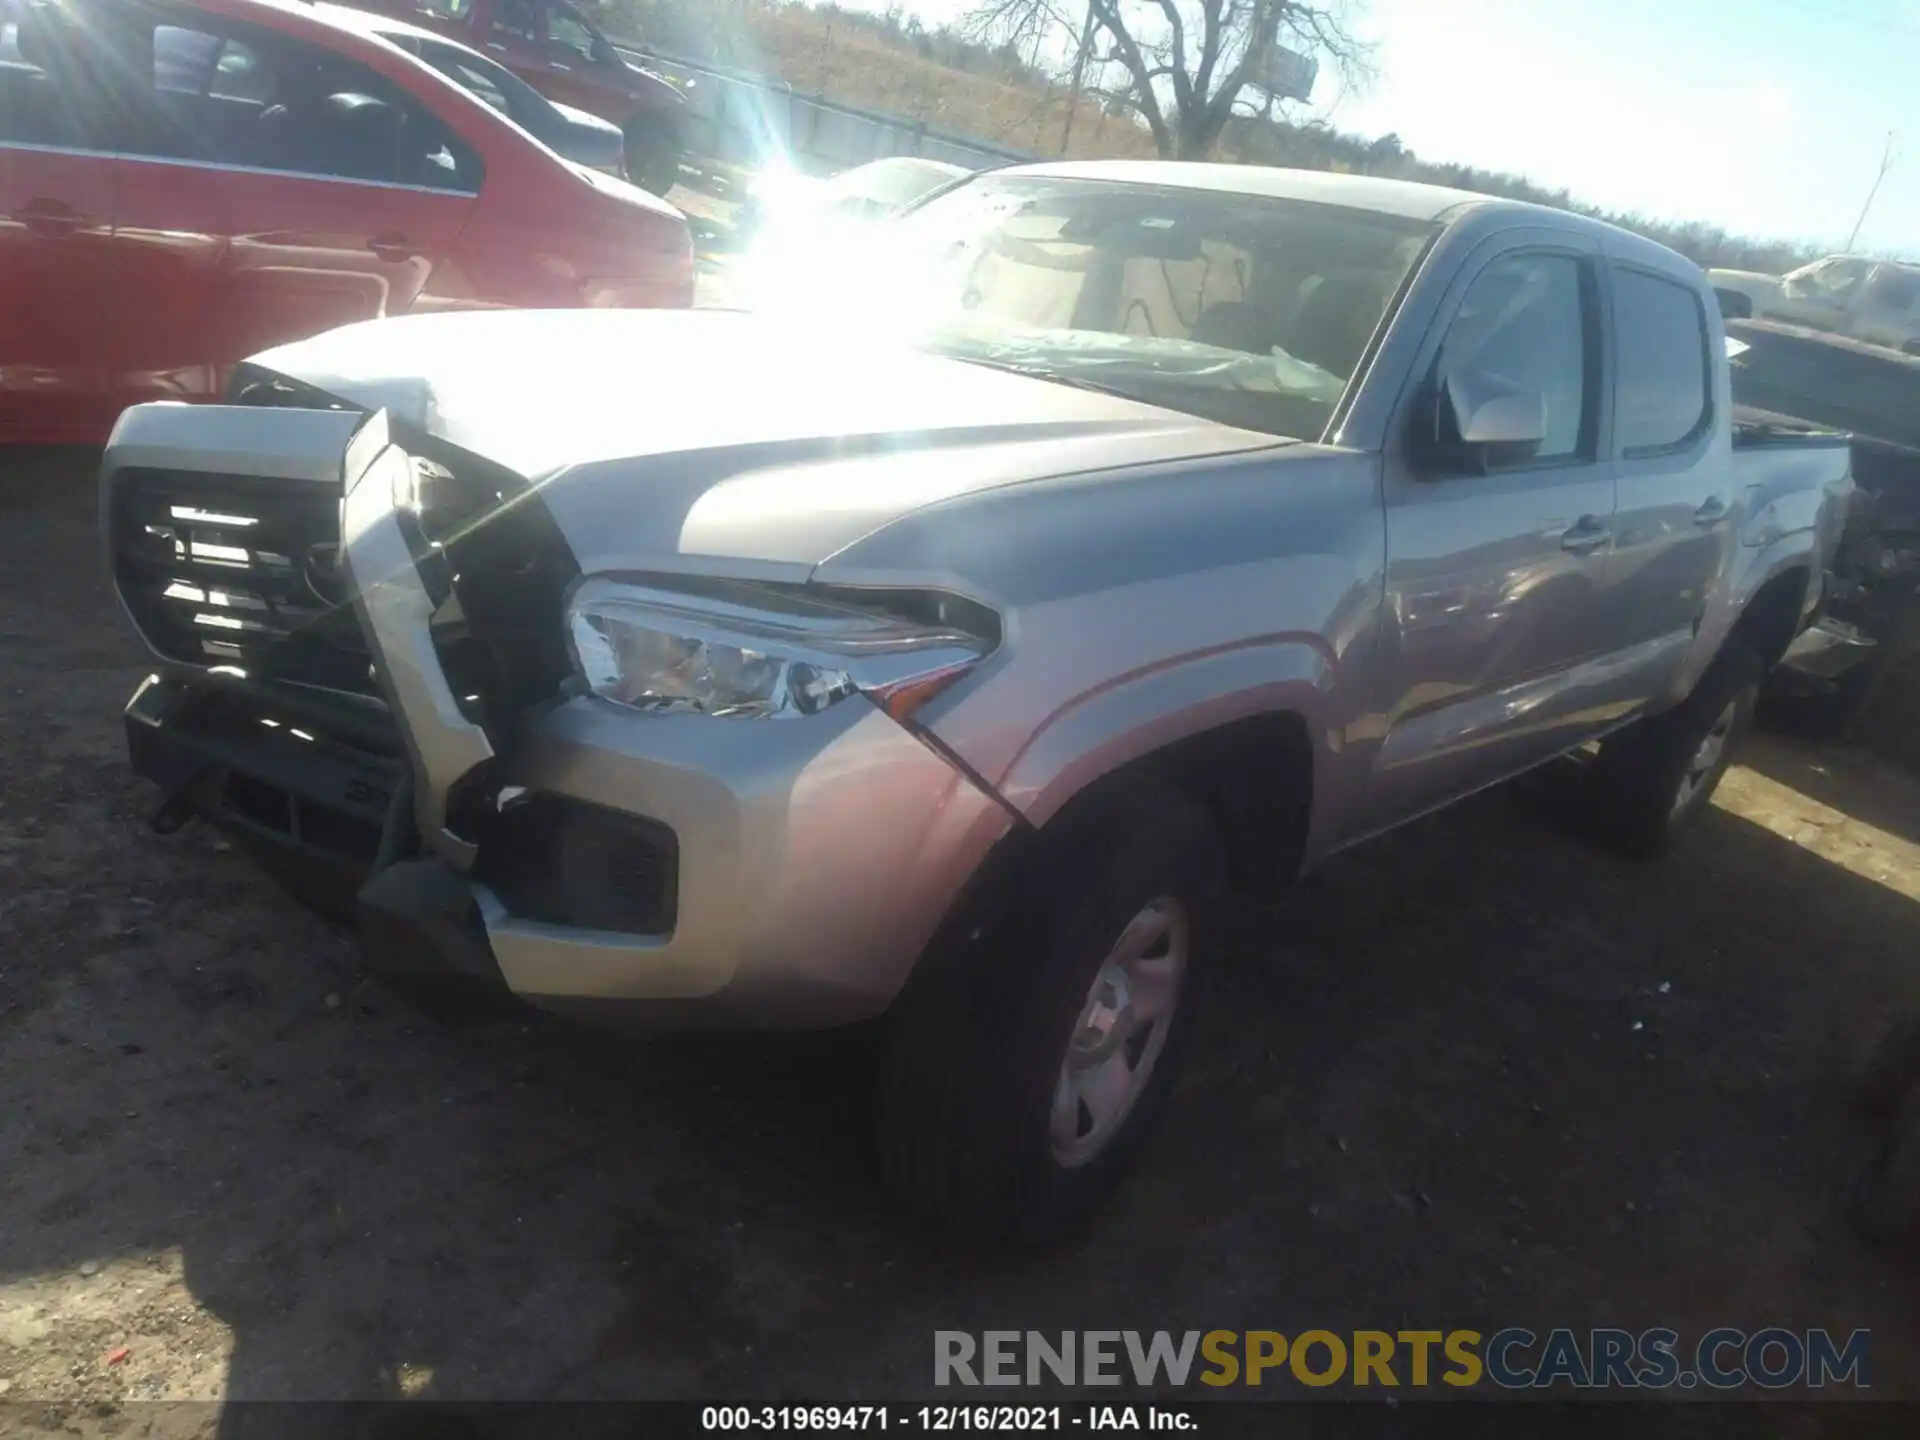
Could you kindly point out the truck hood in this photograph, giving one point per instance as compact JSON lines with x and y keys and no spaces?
{"x":723,"y":441}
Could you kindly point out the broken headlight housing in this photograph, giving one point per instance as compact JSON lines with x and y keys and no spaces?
{"x":751,"y":652}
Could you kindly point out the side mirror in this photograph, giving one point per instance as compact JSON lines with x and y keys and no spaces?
{"x":1513,"y":421}
{"x":1477,"y":426}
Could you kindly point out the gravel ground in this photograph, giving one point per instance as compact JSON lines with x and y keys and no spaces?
{"x":1475,"y":1075}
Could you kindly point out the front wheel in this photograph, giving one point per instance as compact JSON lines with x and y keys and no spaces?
{"x":1021,"y":1077}
{"x":1653,"y":780}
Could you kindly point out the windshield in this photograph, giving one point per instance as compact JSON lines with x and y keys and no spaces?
{"x":1250,"y":311}
{"x":888,"y":184}
{"x":495,"y":84}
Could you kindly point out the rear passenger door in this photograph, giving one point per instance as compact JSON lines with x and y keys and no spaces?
{"x":56,"y":221}
{"x":1493,"y":576}
{"x":1674,"y":465}
{"x":268,"y":189}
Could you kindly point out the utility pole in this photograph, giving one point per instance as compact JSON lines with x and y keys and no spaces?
{"x":1079,"y":72}
{"x":1886,"y":164}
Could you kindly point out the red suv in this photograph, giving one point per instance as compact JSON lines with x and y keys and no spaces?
{"x":558,"y":51}
{"x":185,"y":182}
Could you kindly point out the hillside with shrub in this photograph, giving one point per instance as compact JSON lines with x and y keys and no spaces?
{"x":940,"y":77}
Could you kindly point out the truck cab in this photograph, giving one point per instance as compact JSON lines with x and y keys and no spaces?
{"x":1122,"y":530}
{"x":557,"y":49}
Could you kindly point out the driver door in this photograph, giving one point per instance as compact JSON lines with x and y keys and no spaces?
{"x":1493,"y":624}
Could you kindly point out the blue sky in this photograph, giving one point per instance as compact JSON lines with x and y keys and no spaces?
{"x":1766,"y":117}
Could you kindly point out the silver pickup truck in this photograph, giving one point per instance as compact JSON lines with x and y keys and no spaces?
{"x":938,"y":648}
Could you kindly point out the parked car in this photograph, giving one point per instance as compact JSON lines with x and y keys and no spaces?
{"x":560,"y":52}
{"x":1139,"y":528}
{"x":793,"y":227}
{"x":1873,"y":300}
{"x":780,"y":193}
{"x":278,"y":175}
{"x":575,"y":134}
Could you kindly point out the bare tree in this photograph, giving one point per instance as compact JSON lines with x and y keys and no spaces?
{"x":1182,"y":65}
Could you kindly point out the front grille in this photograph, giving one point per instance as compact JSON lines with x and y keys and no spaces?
{"x":567,"y":862}
{"x":241,"y":571}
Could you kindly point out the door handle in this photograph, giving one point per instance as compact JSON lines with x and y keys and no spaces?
{"x":1588,"y":534}
{"x":394,"y":248}
{"x":1711,"y":512}
{"x":51,"y":219}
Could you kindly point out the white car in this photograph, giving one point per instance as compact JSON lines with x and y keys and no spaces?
{"x":1873,"y":300}
{"x":796,"y":228}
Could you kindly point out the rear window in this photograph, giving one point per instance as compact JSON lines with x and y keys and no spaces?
{"x":1663,"y":366}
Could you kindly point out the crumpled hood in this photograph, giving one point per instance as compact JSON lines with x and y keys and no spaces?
{"x":677,"y":439}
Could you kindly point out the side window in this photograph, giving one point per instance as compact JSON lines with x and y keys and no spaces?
{"x":518,"y":19}
{"x":481,"y":84}
{"x":570,"y":35}
{"x":1893,"y":289}
{"x":262,"y":101}
{"x":1661,"y":388}
{"x":40,"y":93}
{"x":193,"y":62}
{"x":1525,"y":324}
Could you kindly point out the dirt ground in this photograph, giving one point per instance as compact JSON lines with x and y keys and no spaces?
{"x":1475,"y":1075}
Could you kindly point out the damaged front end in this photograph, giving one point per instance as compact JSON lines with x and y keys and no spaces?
{"x":379,"y":668}
{"x":1870,"y":612}
{"x":302,"y":579}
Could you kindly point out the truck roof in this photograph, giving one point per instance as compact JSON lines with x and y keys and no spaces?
{"x":1406,"y":198}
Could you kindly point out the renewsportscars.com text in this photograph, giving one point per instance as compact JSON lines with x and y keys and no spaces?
{"x":1514,"y":1358}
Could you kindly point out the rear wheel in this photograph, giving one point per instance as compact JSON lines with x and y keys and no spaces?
{"x":1021,"y":1076}
{"x":1653,"y":780}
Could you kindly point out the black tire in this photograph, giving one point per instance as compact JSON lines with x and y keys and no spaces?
{"x":975,"y":1047}
{"x":652,"y":155}
{"x":1638,"y":776}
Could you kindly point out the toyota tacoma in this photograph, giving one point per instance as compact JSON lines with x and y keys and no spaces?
{"x":938,"y":648}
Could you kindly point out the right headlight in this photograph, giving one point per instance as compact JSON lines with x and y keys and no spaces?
{"x":748,"y":653}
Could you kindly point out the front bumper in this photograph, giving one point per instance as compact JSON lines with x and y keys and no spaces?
{"x":811,"y":860}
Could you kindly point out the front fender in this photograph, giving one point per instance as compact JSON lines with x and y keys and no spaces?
{"x":1136,"y":714}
